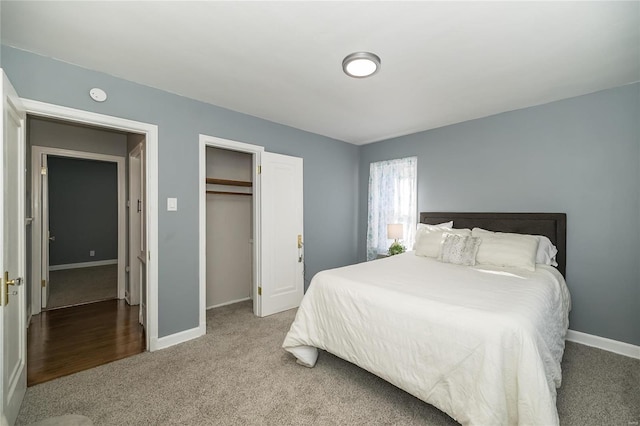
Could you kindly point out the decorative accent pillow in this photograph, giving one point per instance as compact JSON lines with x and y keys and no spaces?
{"x":459,"y":249}
{"x":505,"y":249}
{"x":429,"y":243}
{"x":423,"y":229}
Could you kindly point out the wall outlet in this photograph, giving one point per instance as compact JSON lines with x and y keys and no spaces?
{"x":92,"y":253}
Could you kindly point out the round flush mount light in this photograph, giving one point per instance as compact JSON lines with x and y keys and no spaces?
{"x":98,"y":95}
{"x":361,"y":64}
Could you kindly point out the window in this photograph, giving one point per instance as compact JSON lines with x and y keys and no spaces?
{"x":392,"y":199}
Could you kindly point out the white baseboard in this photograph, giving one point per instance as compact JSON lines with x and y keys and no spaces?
{"x":180,"y":337}
{"x":622,"y":348}
{"x":185,"y":336}
{"x":83,"y":264}
{"x":229,"y":303}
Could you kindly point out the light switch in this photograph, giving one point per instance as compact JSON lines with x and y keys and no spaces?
{"x":172,"y":204}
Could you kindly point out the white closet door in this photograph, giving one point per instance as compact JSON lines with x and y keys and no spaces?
{"x":282,"y":266}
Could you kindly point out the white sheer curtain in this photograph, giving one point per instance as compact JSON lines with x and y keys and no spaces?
{"x":392,"y":199}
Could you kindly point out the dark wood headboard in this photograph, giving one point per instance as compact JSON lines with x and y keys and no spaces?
{"x":551,"y":225}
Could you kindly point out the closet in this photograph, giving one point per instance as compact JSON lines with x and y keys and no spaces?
{"x":229,"y":242}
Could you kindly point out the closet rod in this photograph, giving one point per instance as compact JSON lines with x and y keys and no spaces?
{"x":229,"y":192}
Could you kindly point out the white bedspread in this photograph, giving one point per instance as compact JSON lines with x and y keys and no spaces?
{"x":482,"y":344}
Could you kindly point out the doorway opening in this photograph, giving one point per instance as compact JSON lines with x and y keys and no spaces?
{"x":229,"y":224}
{"x":150,"y":133}
{"x":81,"y":224}
{"x":79,"y":243}
{"x":276,"y":218}
{"x":243,"y":153}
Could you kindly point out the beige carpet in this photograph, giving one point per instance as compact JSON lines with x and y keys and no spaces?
{"x":69,"y":420}
{"x":82,"y":285}
{"x":238,"y":375}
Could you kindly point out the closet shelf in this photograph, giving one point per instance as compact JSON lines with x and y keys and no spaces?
{"x":229,"y":182}
{"x":229,"y":192}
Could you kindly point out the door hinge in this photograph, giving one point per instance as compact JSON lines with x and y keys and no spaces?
{"x":128,"y":203}
{"x":44,"y":283}
{"x":43,"y":171}
{"x":127,"y":269}
{"x":259,"y":291}
{"x":259,"y":169}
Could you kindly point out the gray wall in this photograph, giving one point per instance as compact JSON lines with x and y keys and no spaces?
{"x":330,"y":170}
{"x":579,"y":156}
{"x":83,"y":210}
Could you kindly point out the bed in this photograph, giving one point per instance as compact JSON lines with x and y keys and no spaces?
{"x":482,"y":343}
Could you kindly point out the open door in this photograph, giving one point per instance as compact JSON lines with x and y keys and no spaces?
{"x":281,"y":284}
{"x":46,"y":235}
{"x":137,"y":280}
{"x":13,"y":346}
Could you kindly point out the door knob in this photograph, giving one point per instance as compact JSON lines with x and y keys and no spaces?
{"x":7,"y":282}
{"x":53,"y":238}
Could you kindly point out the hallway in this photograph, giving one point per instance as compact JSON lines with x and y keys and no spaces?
{"x":68,"y":340}
{"x":70,"y":287}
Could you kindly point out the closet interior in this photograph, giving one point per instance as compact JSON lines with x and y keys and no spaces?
{"x":229,"y":226}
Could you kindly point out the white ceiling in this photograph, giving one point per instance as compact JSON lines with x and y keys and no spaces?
{"x":442,"y":62}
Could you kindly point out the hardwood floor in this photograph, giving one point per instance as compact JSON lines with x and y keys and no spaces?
{"x":69,"y":340}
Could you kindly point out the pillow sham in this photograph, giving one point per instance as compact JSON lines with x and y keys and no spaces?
{"x":429,"y":243}
{"x":459,"y":249}
{"x":424,"y":228}
{"x":546,"y":253}
{"x":505,"y":249}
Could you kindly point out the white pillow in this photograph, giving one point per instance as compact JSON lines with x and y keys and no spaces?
{"x":423,"y":229}
{"x":459,"y":249}
{"x":479,"y":232}
{"x":505,"y":249}
{"x":429,"y":244}
{"x":546,"y":253}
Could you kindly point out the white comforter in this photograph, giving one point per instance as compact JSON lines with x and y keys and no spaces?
{"x":482,"y":344}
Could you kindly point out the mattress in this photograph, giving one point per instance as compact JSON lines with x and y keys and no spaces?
{"x":482,"y":344}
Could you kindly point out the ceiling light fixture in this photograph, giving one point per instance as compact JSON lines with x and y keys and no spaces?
{"x":361,"y":64}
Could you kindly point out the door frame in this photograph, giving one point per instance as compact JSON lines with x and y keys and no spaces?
{"x":42,"y":109}
{"x":38,"y":215}
{"x":256,"y":151}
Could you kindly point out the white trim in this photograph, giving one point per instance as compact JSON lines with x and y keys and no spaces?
{"x":256,"y":152}
{"x":36,"y":152}
{"x":615,"y":346}
{"x":151,"y":160}
{"x":244,"y":299}
{"x":83,"y":264}
{"x":180,"y":337}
